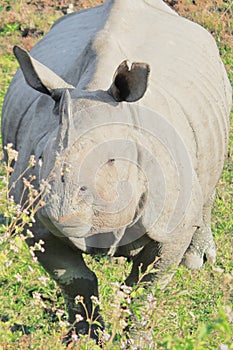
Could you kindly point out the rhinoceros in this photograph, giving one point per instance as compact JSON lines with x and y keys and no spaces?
{"x":125,"y":107}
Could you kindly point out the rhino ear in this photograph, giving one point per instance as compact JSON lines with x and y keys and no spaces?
{"x":38,"y":76}
{"x":64,"y":136}
{"x":130,"y":84}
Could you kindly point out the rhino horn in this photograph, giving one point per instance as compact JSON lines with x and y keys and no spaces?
{"x":130,"y":84}
{"x":66,"y":126}
{"x":40,"y":77}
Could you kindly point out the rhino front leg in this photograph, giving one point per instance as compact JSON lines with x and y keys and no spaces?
{"x":165,"y":258}
{"x":202,"y":243}
{"x":142,"y":260}
{"x":74,"y":278}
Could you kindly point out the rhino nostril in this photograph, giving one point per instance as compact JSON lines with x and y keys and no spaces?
{"x":83,"y":188}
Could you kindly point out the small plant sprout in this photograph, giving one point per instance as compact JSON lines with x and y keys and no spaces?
{"x":90,"y":318}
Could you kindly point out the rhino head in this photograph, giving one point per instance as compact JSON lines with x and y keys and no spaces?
{"x":91,"y":166}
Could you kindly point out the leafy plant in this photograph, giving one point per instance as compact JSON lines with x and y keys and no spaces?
{"x":10,"y":28}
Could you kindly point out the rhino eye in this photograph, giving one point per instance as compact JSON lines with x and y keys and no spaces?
{"x":83,"y":188}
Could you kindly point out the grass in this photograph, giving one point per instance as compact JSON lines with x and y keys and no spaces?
{"x":194,"y":312}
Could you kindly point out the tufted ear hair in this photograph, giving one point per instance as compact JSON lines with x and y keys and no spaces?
{"x":130,"y":84}
{"x":40,"y":77}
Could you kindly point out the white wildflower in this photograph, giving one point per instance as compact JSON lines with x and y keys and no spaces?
{"x":36,"y":295}
{"x":18,"y":277}
{"x":63,"y":324}
{"x":95,"y":300}
{"x":14,"y":248}
{"x":30,"y":268}
{"x":29,"y":234}
{"x":126,"y":289}
{"x":8,"y":263}
{"x":32,"y":160}
{"x":78,"y":299}
{"x":223,"y":347}
{"x":78,"y":317}
{"x":106,"y":336}
{"x":43,"y":280}
{"x":74,"y":337}
{"x":8,"y":146}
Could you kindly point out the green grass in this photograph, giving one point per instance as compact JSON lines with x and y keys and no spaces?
{"x":194,"y":312}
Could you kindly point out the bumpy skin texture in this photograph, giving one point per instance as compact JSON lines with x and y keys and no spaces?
{"x":177,"y":132}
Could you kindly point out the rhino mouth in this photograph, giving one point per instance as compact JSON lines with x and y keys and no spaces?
{"x":92,"y":235}
{"x":68,"y":226}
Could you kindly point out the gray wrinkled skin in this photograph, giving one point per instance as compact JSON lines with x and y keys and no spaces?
{"x":132,"y":157}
